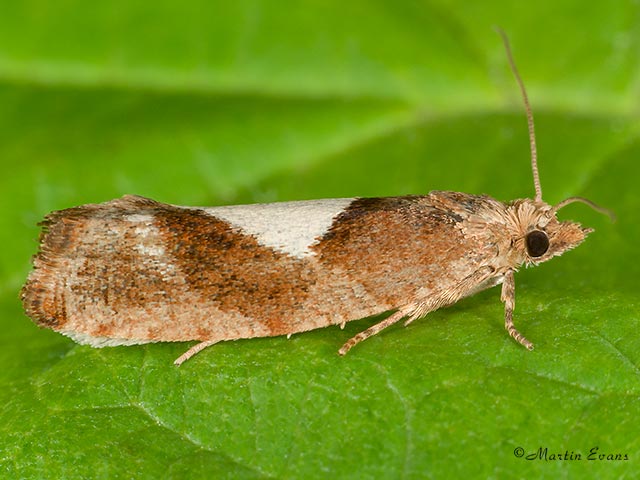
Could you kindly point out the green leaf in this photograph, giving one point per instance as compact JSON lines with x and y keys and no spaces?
{"x":253,"y":101}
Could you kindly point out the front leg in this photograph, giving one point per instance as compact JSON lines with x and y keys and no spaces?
{"x":508,"y":296}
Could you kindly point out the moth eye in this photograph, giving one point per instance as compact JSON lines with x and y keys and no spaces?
{"x":537,"y":243}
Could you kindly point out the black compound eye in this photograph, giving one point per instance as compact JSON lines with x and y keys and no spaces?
{"x":537,"y":243}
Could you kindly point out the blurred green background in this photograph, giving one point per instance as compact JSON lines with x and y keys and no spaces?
{"x":206,"y":103}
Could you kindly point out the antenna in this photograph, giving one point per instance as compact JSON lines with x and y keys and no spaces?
{"x":532,"y":132}
{"x":594,"y":206}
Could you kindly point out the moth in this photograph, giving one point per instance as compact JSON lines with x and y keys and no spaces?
{"x":134,"y":271}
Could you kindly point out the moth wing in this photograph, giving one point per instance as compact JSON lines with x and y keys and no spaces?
{"x":134,"y":270}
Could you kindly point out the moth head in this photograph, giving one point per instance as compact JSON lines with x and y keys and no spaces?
{"x":542,"y":236}
{"x":539,"y":234}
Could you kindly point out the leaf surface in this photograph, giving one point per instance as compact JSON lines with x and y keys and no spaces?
{"x":211,"y":103}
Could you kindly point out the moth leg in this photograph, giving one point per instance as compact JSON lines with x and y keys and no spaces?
{"x":399,"y":315}
{"x":452,"y":294}
{"x":508,"y":296}
{"x":192,"y":351}
{"x":421,"y":308}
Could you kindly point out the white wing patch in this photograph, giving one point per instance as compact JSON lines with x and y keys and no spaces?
{"x":148,"y":244}
{"x":289,"y":227}
{"x":147,"y":235}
